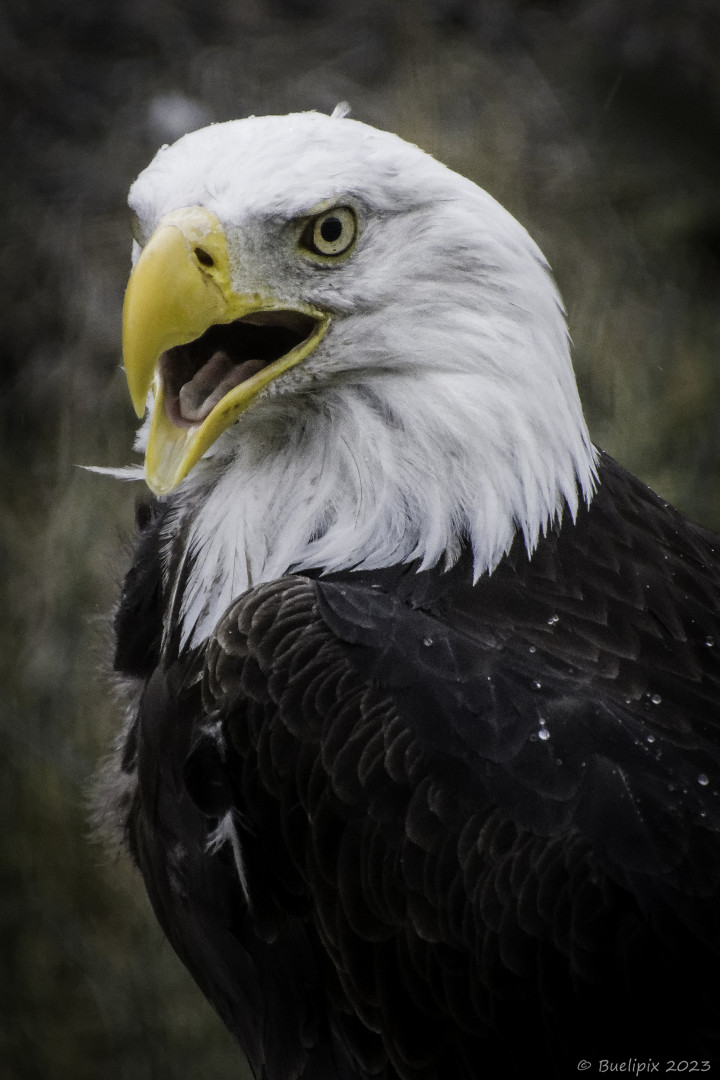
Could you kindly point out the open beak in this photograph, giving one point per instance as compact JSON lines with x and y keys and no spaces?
{"x":205,"y":350}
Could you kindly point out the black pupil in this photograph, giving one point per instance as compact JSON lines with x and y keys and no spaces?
{"x":331,"y":230}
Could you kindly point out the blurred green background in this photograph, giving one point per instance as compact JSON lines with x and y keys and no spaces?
{"x":597,"y":123}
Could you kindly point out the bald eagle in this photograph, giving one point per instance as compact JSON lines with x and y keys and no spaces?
{"x":421,"y":763}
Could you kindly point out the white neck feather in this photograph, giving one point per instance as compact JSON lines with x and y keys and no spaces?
{"x":351,"y":485}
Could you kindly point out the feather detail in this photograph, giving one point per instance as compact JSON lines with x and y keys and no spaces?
{"x":120,"y":472}
{"x":226,"y":832}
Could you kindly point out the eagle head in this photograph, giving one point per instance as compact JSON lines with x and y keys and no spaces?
{"x":350,"y":357}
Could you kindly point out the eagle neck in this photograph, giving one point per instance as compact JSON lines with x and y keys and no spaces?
{"x":342,"y":482}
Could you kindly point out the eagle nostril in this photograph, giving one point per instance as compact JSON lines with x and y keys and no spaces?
{"x":204,"y":257}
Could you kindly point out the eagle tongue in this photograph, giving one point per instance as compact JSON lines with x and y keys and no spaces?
{"x":199,"y":395}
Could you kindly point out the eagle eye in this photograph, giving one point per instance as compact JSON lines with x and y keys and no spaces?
{"x":332,"y":233}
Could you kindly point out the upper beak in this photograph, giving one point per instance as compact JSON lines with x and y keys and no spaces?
{"x":181,"y":286}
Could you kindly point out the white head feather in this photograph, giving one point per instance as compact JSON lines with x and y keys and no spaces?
{"x":441,"y":405}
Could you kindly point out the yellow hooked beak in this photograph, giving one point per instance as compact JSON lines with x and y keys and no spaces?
{"x":179,"y":289}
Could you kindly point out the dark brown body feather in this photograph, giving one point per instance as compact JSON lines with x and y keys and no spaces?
{"x":479,"y":825}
